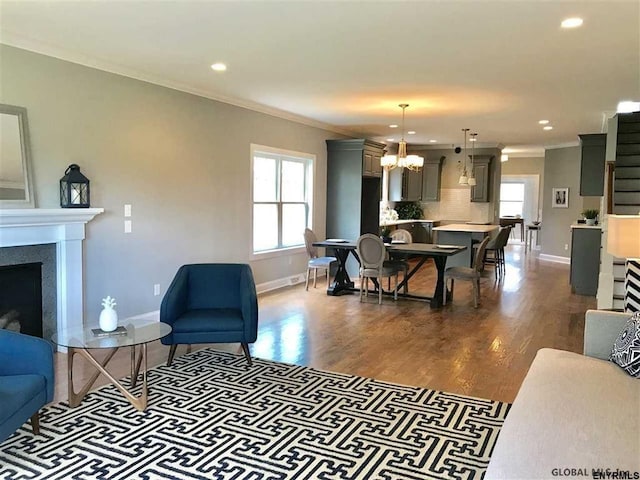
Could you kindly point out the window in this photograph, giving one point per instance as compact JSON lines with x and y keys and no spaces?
{"x":282,"y":193}
{"x":511,"y":199}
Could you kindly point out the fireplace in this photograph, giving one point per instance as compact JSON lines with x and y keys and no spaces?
{"x":21,"y":298}
{"x":62,"y":232}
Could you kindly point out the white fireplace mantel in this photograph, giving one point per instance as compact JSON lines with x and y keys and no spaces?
{"x":64,"y":227}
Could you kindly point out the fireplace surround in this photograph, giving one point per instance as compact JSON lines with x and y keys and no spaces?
{"x":66,"y":229}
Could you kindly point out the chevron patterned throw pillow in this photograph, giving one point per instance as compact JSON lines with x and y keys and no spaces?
{"x":626,"y":348}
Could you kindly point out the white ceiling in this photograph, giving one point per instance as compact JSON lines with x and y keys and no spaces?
{"x":496,"y":67}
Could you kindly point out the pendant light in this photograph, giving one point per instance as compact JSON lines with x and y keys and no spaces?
{"x":402,"y":160}
{"x":464,"y":179}
{"x":472,"y":178}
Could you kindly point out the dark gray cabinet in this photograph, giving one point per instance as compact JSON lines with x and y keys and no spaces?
{"x":405,"y":185}
{"x":592,"y":164}
{"x":353,"y":195}
{"x":585,"y":260}
{"x":431,"y":182}
{"x":482,"y":172}
{"x":371,"y":156}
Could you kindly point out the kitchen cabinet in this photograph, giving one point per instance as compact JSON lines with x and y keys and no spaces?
{"x":592,"y":164}
{"x":432,"y":172}
{"x":353,"y":194}
{"x":585,"y":259}
{"x":483,"y":174}
{"x":405,"y":185}
{"x":371,"y":157}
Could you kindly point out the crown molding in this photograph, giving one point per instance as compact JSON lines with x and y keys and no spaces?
{"x":18,"y":41}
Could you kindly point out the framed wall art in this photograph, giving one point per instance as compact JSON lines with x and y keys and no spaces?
{"x":560,"y":198}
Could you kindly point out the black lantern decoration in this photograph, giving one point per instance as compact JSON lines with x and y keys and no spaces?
{"x":74,"y":188}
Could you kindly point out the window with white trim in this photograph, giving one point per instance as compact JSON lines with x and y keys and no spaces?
{"x":282,"y":189}
{"x":511,"y":199}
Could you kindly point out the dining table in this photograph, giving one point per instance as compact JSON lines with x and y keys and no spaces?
{"x":342,"y":283}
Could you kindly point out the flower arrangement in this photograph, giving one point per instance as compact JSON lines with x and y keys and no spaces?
{"x":591,"y":213}
{"x":388,"y":216}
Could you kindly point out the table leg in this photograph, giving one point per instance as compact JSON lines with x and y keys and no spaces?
{"x":341,"y":283}
{"x":76,"y":397}
{"x":436,"y":301}
{"x":139,"y":402}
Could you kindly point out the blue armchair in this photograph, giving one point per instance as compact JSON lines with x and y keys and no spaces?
{"x":211,"y":303}
{"x":26,"y":380}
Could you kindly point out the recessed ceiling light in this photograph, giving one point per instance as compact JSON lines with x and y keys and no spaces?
{"x":433,"y":141}
{"x":472,"y":139}
{"x":572,"y":22}
{"x":411,"y":132}
{"x":390,"y":140}
{"x":219,"y":67}
{"x":548,"y":127}
{"x":543,"y":122}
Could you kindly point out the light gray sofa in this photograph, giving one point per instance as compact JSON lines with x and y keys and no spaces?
{"x":573,"y":413}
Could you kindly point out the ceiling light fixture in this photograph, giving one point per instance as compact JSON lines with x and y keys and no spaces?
{"x":393,"y":126}
{"x":218,"y":67}
{"x":402,"y":160}
{"x":411,"y":132}
{"x":433,"y":141}
{"x":472,"y":178}
{"x":573,"y":22}
{"x":547,"y":127}
{"x":543,"y":122}
{"x":464,"y":178}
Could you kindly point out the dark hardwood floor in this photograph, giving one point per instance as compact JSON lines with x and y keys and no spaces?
{"x":483,"y":352}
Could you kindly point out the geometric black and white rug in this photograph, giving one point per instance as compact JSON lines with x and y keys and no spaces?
{"x":211,"y":416}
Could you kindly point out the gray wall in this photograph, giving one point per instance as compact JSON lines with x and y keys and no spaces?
{"x":182,"y":161}
{"x":525,"y":166}
{"x":561,"y":169}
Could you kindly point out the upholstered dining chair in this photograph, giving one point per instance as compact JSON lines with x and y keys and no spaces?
{"x":372,"y":254}
{"x":315,"y":261}
{"x":211,"y":303}
{"x":26,"y":380}
{"x":468,"y":273}
{"x":400,"y":260}
{"x":494,"y":253}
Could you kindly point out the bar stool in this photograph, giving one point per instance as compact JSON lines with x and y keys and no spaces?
{"x":530,"y":229}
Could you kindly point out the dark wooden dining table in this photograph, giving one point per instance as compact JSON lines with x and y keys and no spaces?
{"x":342,"y":283}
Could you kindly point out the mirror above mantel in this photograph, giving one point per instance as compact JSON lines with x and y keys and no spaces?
{"x":16,"y":183}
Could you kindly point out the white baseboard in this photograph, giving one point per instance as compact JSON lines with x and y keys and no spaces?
{"x":154,"y":316}
{"x":554,"y":258}
{"x":281,"y":283}
{"x":145,"y":318}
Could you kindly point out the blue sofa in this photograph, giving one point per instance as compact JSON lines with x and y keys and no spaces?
{"x":26,"y":380}
{"x":211,"y":303}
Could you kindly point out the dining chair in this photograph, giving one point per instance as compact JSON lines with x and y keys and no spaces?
{"x":399,"y":259}
{"x":494,"y":253}
{"x":468,"y":273}
{"x":316,"y":262}
{"x":372,"y":254}
{"x":402,"y":235}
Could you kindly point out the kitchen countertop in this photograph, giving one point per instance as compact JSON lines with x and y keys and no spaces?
{"x":465,"y":227}
{"x":584,"y":225}
{"x":404,"y":222}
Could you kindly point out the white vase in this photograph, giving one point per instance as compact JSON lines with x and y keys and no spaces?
{"x":591,"y":221}
{"x":108,"y":319}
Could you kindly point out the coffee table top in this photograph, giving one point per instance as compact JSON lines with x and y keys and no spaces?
{"x":136,"y":335}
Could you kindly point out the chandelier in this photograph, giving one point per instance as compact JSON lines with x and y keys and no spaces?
{"x":402,"y":160}
{"x":466,"y":176}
